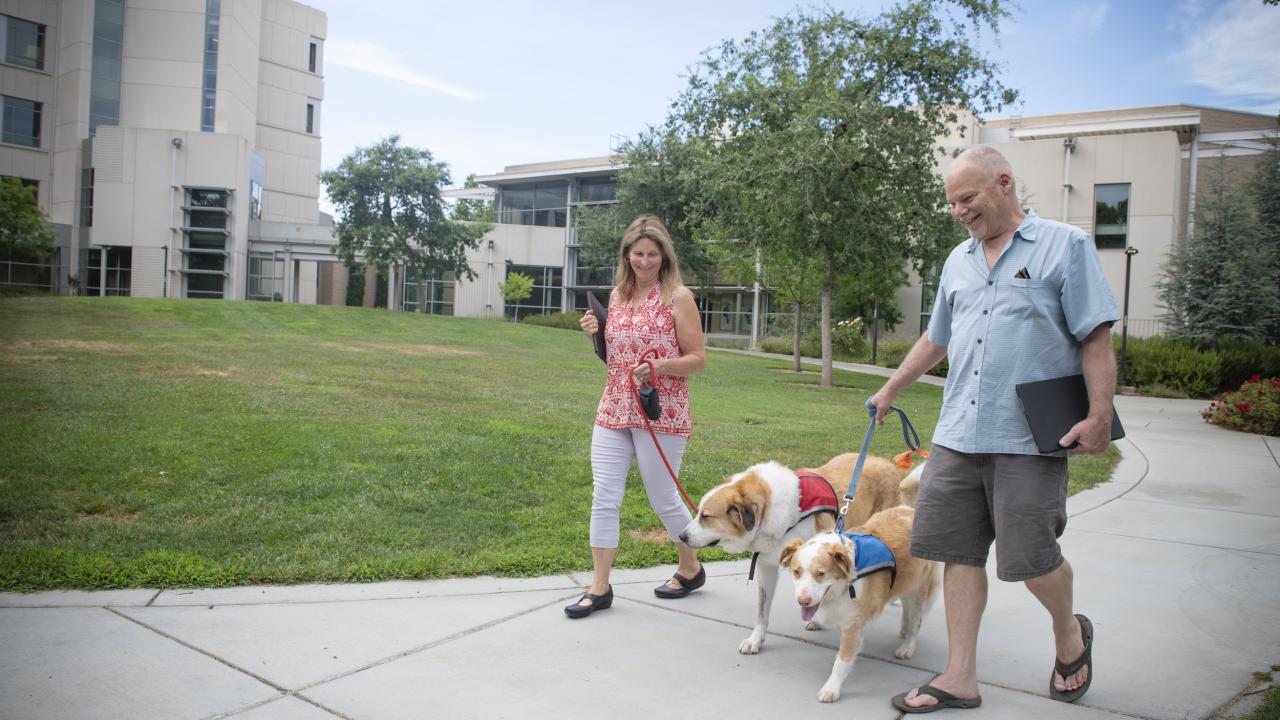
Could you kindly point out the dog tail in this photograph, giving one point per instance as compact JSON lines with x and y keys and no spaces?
{"x":910,"y":486}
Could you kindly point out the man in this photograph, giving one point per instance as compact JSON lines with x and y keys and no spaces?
{"x":1023,"y":299}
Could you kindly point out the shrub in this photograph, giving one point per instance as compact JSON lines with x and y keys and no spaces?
{"x":564,"y":321}
{"x":1178,"y":365}
{"x":847,"y":339}
{"x":1254,"y":407}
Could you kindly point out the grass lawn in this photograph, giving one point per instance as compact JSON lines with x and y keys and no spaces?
{"x":176,"y":443}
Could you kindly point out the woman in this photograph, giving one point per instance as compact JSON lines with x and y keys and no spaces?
{"x":650,"y":308}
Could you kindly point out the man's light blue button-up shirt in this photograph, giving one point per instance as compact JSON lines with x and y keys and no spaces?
{"x":1001,"y":330}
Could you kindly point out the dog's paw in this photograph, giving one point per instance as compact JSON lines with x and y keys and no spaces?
{"x":827,"y":694}
{"x":905,"y":650}
{"x":813,"y":625}
{"x":750,"y":646}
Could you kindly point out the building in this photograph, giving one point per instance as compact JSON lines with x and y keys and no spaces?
{"x":175,"y":146}
{"x":1123,"y":175}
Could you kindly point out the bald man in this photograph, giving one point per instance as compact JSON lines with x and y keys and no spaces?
{"x":1022,"y":299}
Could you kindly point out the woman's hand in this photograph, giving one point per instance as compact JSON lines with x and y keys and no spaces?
{"x":641,"y":371}
{"x":589,"y":324}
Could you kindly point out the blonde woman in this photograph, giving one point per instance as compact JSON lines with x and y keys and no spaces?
{"x":649,"y":308}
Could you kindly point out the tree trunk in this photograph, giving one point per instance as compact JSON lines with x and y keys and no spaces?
{"x":370,"y":285}
{"x":828,"y":284}
{"x":422,"y":293}
{"x":795,"y":339}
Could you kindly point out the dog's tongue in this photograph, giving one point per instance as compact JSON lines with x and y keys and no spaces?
{"x":807,"y":613}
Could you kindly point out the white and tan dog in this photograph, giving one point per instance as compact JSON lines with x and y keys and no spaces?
{"x":824,"y":568}
{"x":760,"y":509}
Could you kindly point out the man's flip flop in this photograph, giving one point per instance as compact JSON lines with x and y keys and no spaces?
{"x":1066,"y":670}
{"x":945,"y":701}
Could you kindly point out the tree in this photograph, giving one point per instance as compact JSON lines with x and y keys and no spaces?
{"x":1264,"y":188}
{"x":1221,"y":284}
{"x":473,"y":210}
{"x":818,"y":136}
{"x":391,"y":212}
{"x":24,"y":229}
{"x":518,"y":287}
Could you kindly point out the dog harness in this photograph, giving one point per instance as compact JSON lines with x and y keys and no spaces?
{"x":816,"y":496}
{"x":870,"y":556}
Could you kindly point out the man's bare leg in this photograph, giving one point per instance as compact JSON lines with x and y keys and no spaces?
{"x":964,"y":593}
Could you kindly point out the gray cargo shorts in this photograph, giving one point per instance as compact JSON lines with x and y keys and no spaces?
{"x":967,"y":501}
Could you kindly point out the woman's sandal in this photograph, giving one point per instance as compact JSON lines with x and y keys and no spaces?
{"x":598,"y":602}
{"x":687,"y":585}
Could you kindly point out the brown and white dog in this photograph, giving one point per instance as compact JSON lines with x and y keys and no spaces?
{"x":759,"y":509}
{"x":824,"y":568}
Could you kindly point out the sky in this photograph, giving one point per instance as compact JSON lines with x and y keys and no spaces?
{"x":490,"y":83}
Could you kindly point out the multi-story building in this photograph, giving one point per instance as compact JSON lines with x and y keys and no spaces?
{"x":1123,"y":175}
{"x":175,"y":145}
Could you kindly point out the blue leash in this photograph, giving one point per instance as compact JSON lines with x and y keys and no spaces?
{"x":909,"y":435}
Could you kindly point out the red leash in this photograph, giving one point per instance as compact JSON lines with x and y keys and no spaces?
{"x":644,"y":358}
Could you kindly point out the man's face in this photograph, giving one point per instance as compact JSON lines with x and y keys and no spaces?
{"x":980,"y":202}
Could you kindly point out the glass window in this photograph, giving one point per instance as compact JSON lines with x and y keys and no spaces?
{"x":534,"y":204}
{"x":209,"y":93}
{"x":108,"y":44}
{"x":206,"y":240}
{"x":24,"y":43}
{"x":20,"y":121}
{"x":311,"y":118}
{"x":311,"y":56}
{"x":207,"y":198}
{"x":597,"y":189}
{"x":547,"y":290}
{"x":205,"y":286}
{"x":86,"y":197}
{"x":439,"y":290}
{"x":1111,"y":215}
{"x":266,"y":277}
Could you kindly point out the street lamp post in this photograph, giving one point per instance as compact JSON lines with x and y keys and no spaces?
{"x":1124,"y":328}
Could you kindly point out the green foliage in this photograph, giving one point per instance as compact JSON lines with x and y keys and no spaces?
{"x":563,"y":321}
{"x":24,"y":229}
{"x":517,"y":287}
{"x":1195,"y":371}
{"x":1254,"y":407}
{"x":1223,"y":283}
{"x":391,"y":212}
{"x":480,"y":211}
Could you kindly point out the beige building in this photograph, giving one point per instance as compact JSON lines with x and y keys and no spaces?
{"x":175,"y":145}
{"x":1122,"y":175}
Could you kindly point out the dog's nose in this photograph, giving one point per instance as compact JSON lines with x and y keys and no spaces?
{"x":803,"y":598}
{"x":684,"y":536}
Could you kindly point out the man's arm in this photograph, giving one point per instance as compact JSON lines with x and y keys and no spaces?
{"x":1099,"y":360}
{"x":924,"y":355}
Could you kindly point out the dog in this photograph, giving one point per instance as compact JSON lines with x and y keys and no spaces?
{"x":759,"y":509}
{"x":831,"y":588}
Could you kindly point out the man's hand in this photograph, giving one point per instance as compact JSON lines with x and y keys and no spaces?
{"x":1093,"y":434}
{"x":883,"y":400}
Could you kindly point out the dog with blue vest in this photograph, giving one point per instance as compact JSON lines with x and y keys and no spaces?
{"x":846,"y":579}
{"x":763,"y":507}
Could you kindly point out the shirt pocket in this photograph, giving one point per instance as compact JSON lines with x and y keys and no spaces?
{"x":1026,"y":298}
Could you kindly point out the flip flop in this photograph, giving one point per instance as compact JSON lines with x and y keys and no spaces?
{"x":946,"y":701}
{"x":1066,"y":670}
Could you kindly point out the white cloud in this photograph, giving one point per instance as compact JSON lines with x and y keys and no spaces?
{"x":377,"y":60}
{"x":1233,"y":51}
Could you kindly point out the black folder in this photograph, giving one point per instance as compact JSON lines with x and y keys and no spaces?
{"x":602,"y":314}
{"x":1054,"y":406}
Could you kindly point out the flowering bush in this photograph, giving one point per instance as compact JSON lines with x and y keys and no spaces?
{"x":1254,"y":408}
{"x":847,"y":338}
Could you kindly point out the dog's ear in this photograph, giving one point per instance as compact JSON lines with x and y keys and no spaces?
{"x":842,"y":557}
{"x":745,"y":514}
{"x":789,"y":551}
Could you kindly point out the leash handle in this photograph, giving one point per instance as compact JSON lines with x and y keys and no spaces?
{"x":909,"y":435}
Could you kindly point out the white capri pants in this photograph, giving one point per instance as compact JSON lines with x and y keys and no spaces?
{"x":611,"y":455}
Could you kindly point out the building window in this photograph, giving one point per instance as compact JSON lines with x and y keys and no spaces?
{"x":108,"y":51}
{"x":311,"y":118}
{"x":209,"y":91}
{"x":119,"y":266}
{"x":548,"y":285}
{"x":543,"y":203}
{"x":313,"y":56}
{"x":86,"y":197}
{"x":438,"y":293}
{"x":1111,"y":215}
{"x":205,"y":231}
{"x":20,"y":121}
{"x":23,"y":42}
{"x":266,"y":277}
{"x":257,"y":171}
{"x":597,"y":190}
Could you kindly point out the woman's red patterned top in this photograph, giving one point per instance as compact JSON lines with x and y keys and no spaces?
{"x":628,"y":333}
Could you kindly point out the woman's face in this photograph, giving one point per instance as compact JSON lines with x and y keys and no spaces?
{"x":646,"y":260}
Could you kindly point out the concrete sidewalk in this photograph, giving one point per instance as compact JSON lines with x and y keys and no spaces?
{"x":1177,"y":563}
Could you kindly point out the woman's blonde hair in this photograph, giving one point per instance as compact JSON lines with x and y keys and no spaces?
{"x":648,"y":226}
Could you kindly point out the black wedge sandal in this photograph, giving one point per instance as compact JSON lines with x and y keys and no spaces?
{"x":687,"y":585}
{"x":598,"y":602}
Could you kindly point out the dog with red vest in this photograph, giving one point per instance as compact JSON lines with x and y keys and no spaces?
{"x":762,"y":508}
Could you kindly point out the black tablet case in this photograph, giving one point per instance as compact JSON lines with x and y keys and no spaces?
{"x":1054,"y":406}
{"x":602,"y":314}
